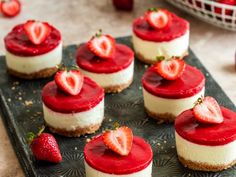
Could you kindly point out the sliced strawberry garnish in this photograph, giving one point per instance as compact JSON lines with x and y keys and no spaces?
{"x":119,"y":140}
{"x":157,"y":18}
{"x":10,"y":8}
{"x":207,"y":110}
{"x":70,"y":82}
{"x":37,"y":31}
{"x":102,"y":45}
{"x":170,"y":69}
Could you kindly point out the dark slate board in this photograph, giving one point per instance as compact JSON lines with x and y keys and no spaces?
{"x":125,"y":108}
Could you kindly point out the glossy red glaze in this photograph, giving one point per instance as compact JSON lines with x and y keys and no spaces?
{"x":207,"y":134}
{"x":190,"y":83}
{"x":90,"y":95}
{"x":176,"y":28}
{"x":17,"y":42}
{"x":99,"y":157}
{"x":121,"y":59}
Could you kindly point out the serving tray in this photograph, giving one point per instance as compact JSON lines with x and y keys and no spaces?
{"x":22,"y":112}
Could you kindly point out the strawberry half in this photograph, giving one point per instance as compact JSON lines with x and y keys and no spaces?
{"x":119,"y":140}
{"x":44,"y":147}
{"x":37,"y":31}
{"x":170,"y":69}
{"x":157,"y":18}
{"x":207,"y":110}
{"x":102,"y":45}
{"x":10,"y":8}
{"x":70,"y":82}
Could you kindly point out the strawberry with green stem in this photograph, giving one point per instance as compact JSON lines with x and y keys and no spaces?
{"x":44,"y":146}
{"x":102,"y":45}
{"x":170,"y":69}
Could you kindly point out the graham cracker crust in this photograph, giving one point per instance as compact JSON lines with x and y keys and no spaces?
{"x":204,"y":166}
{"x":118,"y":88}
{"x":149,"y":61}
{"x":44,"y":73}
{"x":161,"y":118}
{"x":77,"y":132}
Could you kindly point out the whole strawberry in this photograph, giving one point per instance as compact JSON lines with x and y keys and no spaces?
{"x":125,"y":5}
{"x":44,"y":147}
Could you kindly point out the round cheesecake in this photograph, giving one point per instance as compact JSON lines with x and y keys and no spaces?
{"x":29,"y":61}
{"x":150,"y":43}
{"x":113,"y":74}
{"x":164,"y":99}
{"x":71,"y":115}
{"x":206,"y":147}
{"x":101,"y":161}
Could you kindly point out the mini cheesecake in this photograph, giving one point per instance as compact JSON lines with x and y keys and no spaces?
{"x":206,"y":147}
{"x":29,"y":56}
{"x":103,"y":162}
{"x":168,"y":40}
{"x":73,"y":115}
{"x":114,"y":73}
{"x":165,"y":99}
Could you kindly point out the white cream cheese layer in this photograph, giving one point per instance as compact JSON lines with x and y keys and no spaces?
{"x":161,"y":105}
{"x":149,"y":50}
{"x":71,"y":121}
{"x":112,"y":79}
{"x":91,"y":172}
{"x":211,"y":155}
{"x":32,"y":64}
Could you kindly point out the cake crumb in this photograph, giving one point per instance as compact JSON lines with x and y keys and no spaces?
{"x":158,"y":144}
{"x":19,"y":93}
{"x":20,"y":98}
{"x":28,"y":103}
{"x":145,"y":66}
{"x":165,"y":141}
{"x":88,"y":139}
{"x":39,"y":113}
{"x":140,"y":87}
{"x":110,"y":120}
{"x":13,"y":88}
{"x":76,"y":148}
{"x":9,"y":99}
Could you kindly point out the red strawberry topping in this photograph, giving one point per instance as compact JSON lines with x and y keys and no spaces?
{"x":102,"y":45}
{"x":170,"y":69}
{"x":70,"y":82}
{"x":37,"y":31}
{"x":44,"y":147}
{"x":207,"y":110}
{"x":157,"y":18}
{"x":119,"y":140}
{"x":10,"y":8}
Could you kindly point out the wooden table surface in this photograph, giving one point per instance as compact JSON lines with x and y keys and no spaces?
{"x":79,"y":19}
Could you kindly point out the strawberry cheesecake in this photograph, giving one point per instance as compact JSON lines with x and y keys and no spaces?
{"x":160,"y":33}
{"x":110,"y":64}
{"x":117,"y":153}
{"x":33,"y":50}
{"x":170,"y":87}
{"x":73,"y":105}
{"x":206,"y":136}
